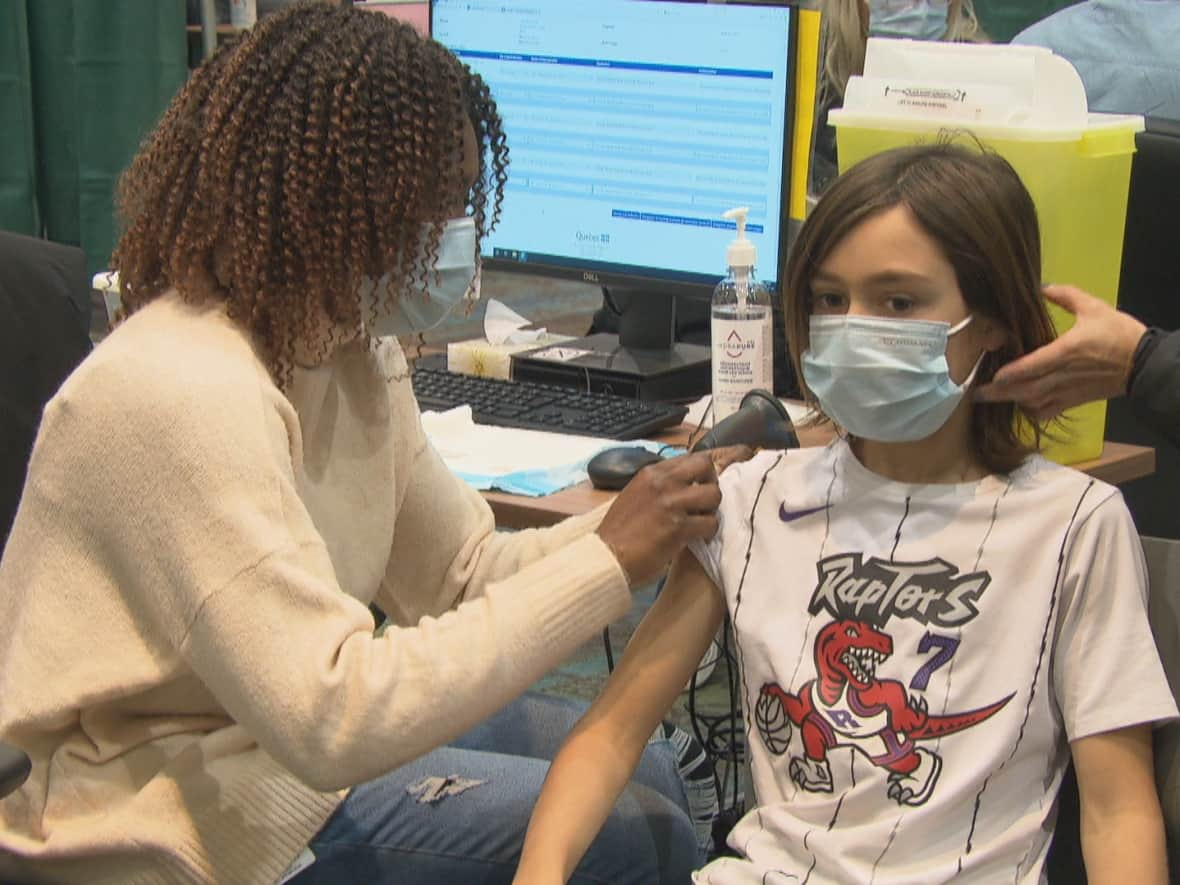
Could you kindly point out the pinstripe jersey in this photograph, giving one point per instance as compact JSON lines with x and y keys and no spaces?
{"x":915,"y":659}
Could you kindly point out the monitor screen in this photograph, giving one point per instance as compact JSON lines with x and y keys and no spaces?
{"x":632,"y":125}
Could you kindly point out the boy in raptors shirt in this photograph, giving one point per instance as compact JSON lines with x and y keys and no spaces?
{"x":931,"y":619}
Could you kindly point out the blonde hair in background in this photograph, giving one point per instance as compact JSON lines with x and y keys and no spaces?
{"x":845,"y":30}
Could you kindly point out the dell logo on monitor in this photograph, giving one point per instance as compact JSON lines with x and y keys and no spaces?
{"x":589,"y":276}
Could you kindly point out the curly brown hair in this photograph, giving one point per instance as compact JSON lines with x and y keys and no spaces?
{"x":321,"y":148}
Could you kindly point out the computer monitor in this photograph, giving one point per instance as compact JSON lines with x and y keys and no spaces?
{"x":632,"y":125}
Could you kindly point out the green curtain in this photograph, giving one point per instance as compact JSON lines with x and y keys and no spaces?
{"x":96,"y":74}
{"x":18,"y":202}
{"x":1004,"y":19}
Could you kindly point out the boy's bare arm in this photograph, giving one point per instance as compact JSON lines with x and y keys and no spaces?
{"x":601,"y":753}
{"x":1122,"y":827}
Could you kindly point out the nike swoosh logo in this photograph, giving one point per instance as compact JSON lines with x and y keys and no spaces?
{"x":791,"y":515}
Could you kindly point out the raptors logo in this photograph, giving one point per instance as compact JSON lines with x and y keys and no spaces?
{"x":847,"y":706}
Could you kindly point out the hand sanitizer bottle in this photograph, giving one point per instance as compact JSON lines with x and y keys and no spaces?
{"x":742,"y":337}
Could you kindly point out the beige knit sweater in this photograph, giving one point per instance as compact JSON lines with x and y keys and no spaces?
{"x":186,"y":651}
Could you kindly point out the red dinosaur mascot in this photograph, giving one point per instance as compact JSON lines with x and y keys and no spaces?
{"x":847,"y":706}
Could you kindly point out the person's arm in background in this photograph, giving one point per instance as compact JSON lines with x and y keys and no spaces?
{"x":602,"y":751}
{"x":1107,"y":353}
{"x":1121,"y":826}
{"x":1154,"y":390}
{"x":1091,"y":361}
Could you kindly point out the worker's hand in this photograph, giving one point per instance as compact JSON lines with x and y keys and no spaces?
{"x":727,"y":455}
{"x":662,"y":508}
{"x":1091,"y":361}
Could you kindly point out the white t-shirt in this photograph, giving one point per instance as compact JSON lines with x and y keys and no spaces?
{"x":915,"y":658}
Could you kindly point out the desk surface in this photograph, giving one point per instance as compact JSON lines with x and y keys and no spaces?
{"x":1118,"y":463}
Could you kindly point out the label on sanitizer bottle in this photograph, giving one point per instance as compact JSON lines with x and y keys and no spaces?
{"x":742,"y":357}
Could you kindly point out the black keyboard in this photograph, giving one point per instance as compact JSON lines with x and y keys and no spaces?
{"x":534,"y":406}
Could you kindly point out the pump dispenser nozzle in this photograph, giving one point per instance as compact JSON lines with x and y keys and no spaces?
{"x":741,"y":252}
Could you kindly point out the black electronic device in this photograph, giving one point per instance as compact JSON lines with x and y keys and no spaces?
{"x":633,"y":125}
{"x":547,"y":407}
{"x":760,"y":421}
{"x":613,"y":468}
{"x":600,"y":363}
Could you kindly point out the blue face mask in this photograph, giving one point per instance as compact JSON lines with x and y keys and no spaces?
{"x":883,"y":379}
{"x":918,"y":19}
{"x":545,"y":480}
{"x":453,"y":280}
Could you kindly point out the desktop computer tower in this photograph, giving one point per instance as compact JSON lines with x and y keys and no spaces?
{"x":598,"y":363}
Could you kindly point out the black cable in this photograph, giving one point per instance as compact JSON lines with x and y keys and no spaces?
{"x":722,"y":735}
{"x":734,"y":700}
{"x":695,"y":719}
{"x":610,"y":302}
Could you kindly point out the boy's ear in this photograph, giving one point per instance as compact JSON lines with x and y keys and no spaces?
{"x":993,"y":335}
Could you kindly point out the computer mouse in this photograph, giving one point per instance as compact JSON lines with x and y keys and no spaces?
{"x":613,"y":468}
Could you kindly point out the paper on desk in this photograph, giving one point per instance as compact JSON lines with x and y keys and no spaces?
{"x":523,"y":462}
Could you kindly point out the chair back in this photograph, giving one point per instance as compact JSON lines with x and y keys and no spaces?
{"x":1065,"y":865}
{"x":44,"y":334}
{"x":1163,"y":569}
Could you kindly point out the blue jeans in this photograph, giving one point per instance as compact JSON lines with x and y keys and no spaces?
{"x":459,"y":813}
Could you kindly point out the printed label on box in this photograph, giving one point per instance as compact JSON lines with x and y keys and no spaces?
{"x":560,"y":354}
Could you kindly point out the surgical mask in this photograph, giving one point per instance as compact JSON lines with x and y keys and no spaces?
{"x":453,"y":280}
{"x":918,"y":19}
{"x":883,"y":379}
{"x":532,"y":483}
{"x":544,"y":480}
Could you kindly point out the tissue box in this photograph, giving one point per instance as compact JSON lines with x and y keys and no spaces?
{"x":480,"y":357}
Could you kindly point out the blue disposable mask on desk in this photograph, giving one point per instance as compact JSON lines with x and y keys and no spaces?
{"x":883,"y":379}
{"x":916,"y":19}
{"x":533,"y":483}
{"x":545,"y":481}
{"x":452,"y":280}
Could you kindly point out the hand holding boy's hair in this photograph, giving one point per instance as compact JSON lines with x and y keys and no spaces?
{"x":1089,"y":362}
